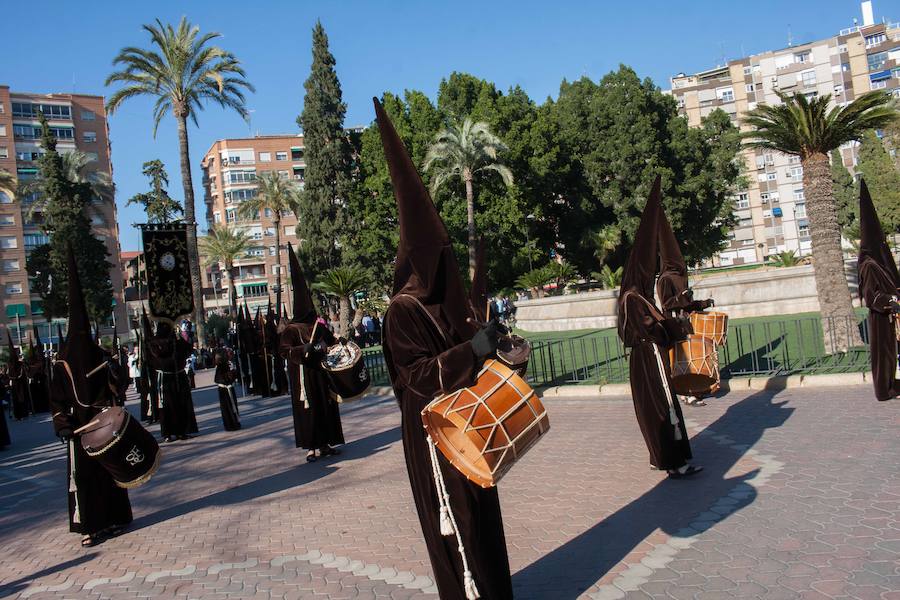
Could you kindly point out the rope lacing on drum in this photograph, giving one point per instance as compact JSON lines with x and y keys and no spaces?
{"x":448,"y":521}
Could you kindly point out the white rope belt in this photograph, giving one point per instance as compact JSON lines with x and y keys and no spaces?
{"x":673,"y":416}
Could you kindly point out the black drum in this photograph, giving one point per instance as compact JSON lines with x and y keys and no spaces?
{"x":122,"y":446}
{"x":347,"y":371}
{"x":514,"y":351}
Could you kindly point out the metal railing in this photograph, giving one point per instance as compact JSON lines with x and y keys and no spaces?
{"x":776,"y":347}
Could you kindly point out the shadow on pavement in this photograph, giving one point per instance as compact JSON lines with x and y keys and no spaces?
{"x":13,"y":587}
{"x":671,"y":505}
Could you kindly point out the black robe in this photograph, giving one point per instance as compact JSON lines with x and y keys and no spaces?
{"x":38,"y":386}
{"x":224,"y":379}
{"x":176,"y":407}
{"x":423,"y":365}
{"x":877,"y":289}
{"x":18,"y":388}
{"x":95,"y":501}
{"x":317,"y":415}
{"x":656,"y":406}
{"x":4,"y":429}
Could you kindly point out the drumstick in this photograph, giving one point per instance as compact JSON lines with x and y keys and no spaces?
{"x":83,"y":427}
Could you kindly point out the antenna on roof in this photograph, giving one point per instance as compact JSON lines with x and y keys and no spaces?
{"x":790,"y":36}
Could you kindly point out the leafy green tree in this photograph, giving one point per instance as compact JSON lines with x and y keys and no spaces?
{"x":883,"y":180}
{"x":225,"y":245}
{"x":809,"y":129}
{"x":320,"y":216}
{"x":65,"y":221}
{"x":159,"y":206}
{"x":182,"y":72}
{"x":463,"y":150}
{"x":76,"y":169}
{"x":279,"y":195}
{"x":606,"y":241}
{"x":846,"y":195}
{"x":341,"y":283}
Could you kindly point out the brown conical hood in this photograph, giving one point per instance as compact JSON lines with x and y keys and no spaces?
{"x":641,"y":266}
{"x":426,"y":266}
{"x":478,"y":292}
{"x":79,"y":322}
{"x":13,"y":353}
{"x":304,"y":308}
{"x":872,"y":242}
{"x":672,"y":268}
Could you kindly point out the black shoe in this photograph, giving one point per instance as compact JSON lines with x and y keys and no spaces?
{"x":329,"y":451}
{"x":311,"y":457}
{"x":690,"y":471}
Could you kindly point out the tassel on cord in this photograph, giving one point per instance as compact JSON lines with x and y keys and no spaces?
{"x":448,"y":521}
{"x":673,"y":416}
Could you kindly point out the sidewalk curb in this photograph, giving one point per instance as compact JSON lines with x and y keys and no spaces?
{"x":780,"y":382}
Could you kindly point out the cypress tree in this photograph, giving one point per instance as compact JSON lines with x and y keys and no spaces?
{"x":321,"y":217}
{"x":846,"y":196}
{"x":883,"y":180}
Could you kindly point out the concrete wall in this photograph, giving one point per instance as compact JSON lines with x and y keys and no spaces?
{"x":773,"y":291}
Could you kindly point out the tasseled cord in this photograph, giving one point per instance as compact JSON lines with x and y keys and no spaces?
{"x":448,"y":521}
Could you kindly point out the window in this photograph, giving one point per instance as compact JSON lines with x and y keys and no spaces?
{"x":743,"y":201}
{"x":239,"y":195}
{"x":2,"y":108}
{"x":88,"y":115}
{"x":838,"y":89}
{"x":748,"y":242}
{"x":217,"y":217}
{"x":37,"y":308}
{"x":299,"y":173}
{"x":255,"y":251}
{"x":12,"y":310}
{"x":13,"y":288}
{"x":10,"y":264}
{"x":725,"y":94}
{"x":803,"y":229}
{"x":799,"y":196}
{"x":230,"y":215}
{"x":98,"y":220}
{"x":8,"y":242}
{"x":296,"y":153}
{"x":241,"y":176}
{"x":801,"y":57}
{"x":4,"y":152}
{"x":91,"y":156}
{"x":749,"y":87}
{"x":875,"y":39}
{"x":845,"y":67}
{"x":33,"y":240}
{"x":771,"y":176}
{"x":877,"y":60}
{"x":268,"y":213}
{"x":5,"y":199}
{"x":283,"y":174}
{"x":793,"y":159}
{"x":28,"y":155}
{"x":270,"y":231}
{"x":745,"y":222}
{"x":281,"y":156}
{"x":2,"y":130}
{"x":290,"y":230}
{"x":747,"y":70}
{"x":256,"y":290}
{"x":808,"y":78}
{"x":795,"y":173}
{"x":878,"y":85}
{"x":265,"y":157}
{"x":30,"y":132}
{"x":765,"y":198}
{"x":800,"y":210}
{"x":53,"y":112}
{"x":89,"y":137}
{"x":271,"y":250}
{"x":7,"y":221}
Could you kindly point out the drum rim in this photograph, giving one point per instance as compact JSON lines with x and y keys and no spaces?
{"x":350,"y":365}
{"x":117,"y":435}
{"x":143,"y":478}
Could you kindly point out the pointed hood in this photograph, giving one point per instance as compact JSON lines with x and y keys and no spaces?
{"x":872,"y":242}
{"x":478,"y":292}
{"x":37,"y":334}
{"x":81,"y":352}
{"x":14,"y":357}
{"x":641,"y":266}
{"x":426,"y":266}
{"x":304,"y":309}
{"x":672,"y":287}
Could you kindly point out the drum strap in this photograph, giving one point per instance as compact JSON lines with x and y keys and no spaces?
{"x":448,"y":521}
{"x":673,"y":416}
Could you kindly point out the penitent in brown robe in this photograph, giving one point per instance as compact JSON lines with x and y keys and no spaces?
{"x":878,"y":283}
{"x":428,"y":352}
{"x":648,"y":333}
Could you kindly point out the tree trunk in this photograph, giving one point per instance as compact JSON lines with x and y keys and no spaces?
{"x":344,"y":317}
{"x":839,"y":326}
{"x":276,"y":220}
{"x":470,"y":218}
{"x":232,"y":291}
{"x":190,"y":219}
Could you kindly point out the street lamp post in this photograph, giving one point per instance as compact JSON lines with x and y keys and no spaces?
{"x":528,"y":218}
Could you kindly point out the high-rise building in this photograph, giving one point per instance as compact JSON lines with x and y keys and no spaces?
{"x":79,"y":123}
{"x":230,"y":168}
{"x":771,"y":212}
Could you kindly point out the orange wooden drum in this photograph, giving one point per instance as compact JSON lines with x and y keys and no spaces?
{"x":482,"y":430}
{"x":713,"y":325}
{"x":695,"y":366}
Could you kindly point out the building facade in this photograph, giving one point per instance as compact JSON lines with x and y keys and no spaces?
{"x":771,"y":212}
{"x":79,"y":123}
{"x":230,"y":168}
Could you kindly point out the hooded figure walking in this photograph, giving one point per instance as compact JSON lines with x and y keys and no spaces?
{"x":431,"y":347}
{"x":304,"y":342}
{"x":878,"y":286}
{"x":83,"y":384}
{"x":648,"y":333}
{"x":168,"y":354}
{"x":224,"y":378}
{"x":18,"y":382}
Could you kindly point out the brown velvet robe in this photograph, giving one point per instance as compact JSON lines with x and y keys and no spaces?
{"x":645,"y":332}
{"x":224,"y":378}
{"x":423,"y":364}
{"x":318,"y":425}
{"x":877,"y":289}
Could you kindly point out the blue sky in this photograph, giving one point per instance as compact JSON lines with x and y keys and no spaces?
{"x":384,"y":45}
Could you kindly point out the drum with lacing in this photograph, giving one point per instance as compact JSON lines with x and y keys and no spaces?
{"x":695,"y":366}
{"x":484,"y":429}
{"x":347,"y":372}
{"x":122,"y":446}
{"x":710,"y":324}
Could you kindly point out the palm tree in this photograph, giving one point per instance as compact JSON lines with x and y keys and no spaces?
{"x":341,"y":282}
{"x":225,"y":245}
{"x":606,"y":241}
{"x":159,"y":206}
{"x":535,"y":280}
{"x":609,"y":278}
{"x":788,"y":258}
{"x":7,"y":183}
{"x":182,"y":71}
{"x":278,"y":194}
{"x":807,"y":128}
{"x":464,"y":150}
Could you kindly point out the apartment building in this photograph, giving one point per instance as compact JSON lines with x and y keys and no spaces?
{"x":230,"y":168}
{"x":771,"y":212}
{"x":79,"y":123}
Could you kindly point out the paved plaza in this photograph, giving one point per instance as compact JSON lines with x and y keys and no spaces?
{"x":800,"y":499}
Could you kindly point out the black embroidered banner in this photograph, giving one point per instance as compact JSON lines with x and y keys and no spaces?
{"x":168,"y":270}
